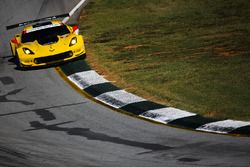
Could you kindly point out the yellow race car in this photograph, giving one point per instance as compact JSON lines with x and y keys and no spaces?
{"x":46,"y":42}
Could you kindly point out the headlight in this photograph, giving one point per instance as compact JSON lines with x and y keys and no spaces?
{"x":73,"y":41}
{"x":28,"y":51}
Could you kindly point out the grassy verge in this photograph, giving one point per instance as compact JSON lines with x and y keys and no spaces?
{"x":192,"y":54}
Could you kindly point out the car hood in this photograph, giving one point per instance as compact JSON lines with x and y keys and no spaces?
{"x":61,"y":44}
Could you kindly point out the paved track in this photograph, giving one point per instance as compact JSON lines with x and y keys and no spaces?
{"x":44,"y":122}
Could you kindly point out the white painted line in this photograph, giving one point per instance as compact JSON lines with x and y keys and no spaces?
{"x":73,"y":10}
{"x":86,"y":79}
{"x":225,"y":126}
{"x":118,"y":98}
{"x":165,"y":115}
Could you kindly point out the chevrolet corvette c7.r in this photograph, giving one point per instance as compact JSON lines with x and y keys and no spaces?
{"x":46,"y":43}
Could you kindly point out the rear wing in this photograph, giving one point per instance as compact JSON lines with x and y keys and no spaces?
{"x":37,"y":20}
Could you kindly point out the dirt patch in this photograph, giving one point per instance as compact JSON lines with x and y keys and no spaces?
{"x":158,"y":53}
{"x":132,"y":47}
{"x":224,"y":52}
{"x":210,"y":114}
{"x":220,"y":35}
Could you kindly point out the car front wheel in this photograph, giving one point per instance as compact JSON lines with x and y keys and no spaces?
{"x":18,"y":63}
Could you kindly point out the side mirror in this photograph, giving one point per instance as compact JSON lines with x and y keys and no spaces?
{"x":75,"y":29}
{"x":14,"y":40}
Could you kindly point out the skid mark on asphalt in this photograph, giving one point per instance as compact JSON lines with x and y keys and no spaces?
{"x":4,"y":99}
{"x":12,"y":152}
{"x":43,"y":6}
{"x":90,"y":135}
{"x":188,"y":159}
{"x":10,"y":157}
{"x":6,"y":80}
{"x":38,"y":111}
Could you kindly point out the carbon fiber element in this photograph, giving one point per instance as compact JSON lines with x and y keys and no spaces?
{"x":53,"y":58}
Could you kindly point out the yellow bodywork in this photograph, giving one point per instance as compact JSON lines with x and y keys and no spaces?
{"x":49,"y":53}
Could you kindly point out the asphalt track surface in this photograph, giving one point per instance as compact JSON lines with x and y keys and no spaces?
{"x":44,"y":122}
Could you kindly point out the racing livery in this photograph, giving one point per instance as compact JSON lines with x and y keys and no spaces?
{"x":46,"y":42}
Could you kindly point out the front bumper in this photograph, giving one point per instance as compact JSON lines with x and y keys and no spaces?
{"x":52,"y":59}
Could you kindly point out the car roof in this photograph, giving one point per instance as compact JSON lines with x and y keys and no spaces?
{"x":40,"y":26}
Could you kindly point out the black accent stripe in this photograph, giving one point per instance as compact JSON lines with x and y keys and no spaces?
{"x":56,"y":57}
{"x":74,"y":67}
{"x":192,"y":122}
{"x":140,"y":107}
{"x":96,"y":90}
{"x":245,"y":130}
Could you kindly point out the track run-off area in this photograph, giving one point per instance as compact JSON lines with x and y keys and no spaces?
{"x":44,"y":122}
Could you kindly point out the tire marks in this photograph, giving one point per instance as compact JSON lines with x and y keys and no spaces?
{"x":4,"y":98}
{"x":6,"y":80}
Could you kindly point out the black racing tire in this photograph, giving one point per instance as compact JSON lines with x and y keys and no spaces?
{"x":19,"y":65}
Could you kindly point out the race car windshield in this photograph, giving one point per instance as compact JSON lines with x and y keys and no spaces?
{"x":44,"y":33}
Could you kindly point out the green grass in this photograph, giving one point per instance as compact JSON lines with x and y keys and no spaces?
{"x":189,"y":54}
